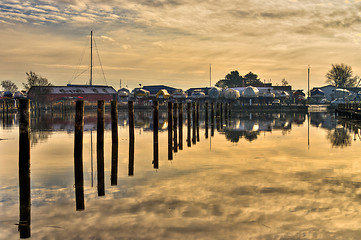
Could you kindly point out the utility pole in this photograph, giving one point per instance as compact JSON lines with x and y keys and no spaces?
{"x":308,"y":77}
{"x":210,"y":75}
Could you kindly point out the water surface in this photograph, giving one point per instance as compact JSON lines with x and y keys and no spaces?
{"x":260,"y":176}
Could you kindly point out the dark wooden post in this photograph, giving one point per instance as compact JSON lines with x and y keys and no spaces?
{"x":24,"y":168}
{"x":212,"y":119}
{"x":197,"y":120}
{"x":131,"y":138}
{"x":194,"y":134}
{"x":229,"y":110}
{"x":100,"y":148}
{"x":180,"y":125}
{"x":114,"y":116}
{"x":189,"y":124}
{"x":221,"y":115}
{"x":218,"y":122}
{"x":78,"y":155}
{"x":3,"y":105}
{"x":175,"y":122}
{"x":206,"y":119}
{"x":170,"y":129}
{"x":155,"y":134}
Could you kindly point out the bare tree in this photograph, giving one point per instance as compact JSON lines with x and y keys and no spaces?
{"x":341,"y":76}
{"x":8,"y":85}
{"x":35,"y":80}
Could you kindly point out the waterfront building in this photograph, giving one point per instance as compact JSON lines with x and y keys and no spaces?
{"x":89,"y":93}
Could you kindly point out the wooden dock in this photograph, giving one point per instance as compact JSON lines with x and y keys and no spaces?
{"x":349,"y":110}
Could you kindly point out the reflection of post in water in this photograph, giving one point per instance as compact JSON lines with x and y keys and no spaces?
{"x":197,"y":120}
{"x":206,"y":119}
{"x":194,"y":133}
{"x":114,"y":116}
{"x":180,"y":125}
{"x":189,"y":124}
{"x":170,"y":129}
{"x":24,"y":168}
{"x":131,"y":138}
{"x":100,"y":148}
{"x":155,"y":134}
{"x":212,"y":119}
{"x":78,"y":155}
{"x":175,"y":121}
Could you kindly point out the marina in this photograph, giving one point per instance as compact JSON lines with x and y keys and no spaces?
{"x":189,"y":171}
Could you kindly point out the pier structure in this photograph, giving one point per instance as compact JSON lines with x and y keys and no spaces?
{"x":349,"y":110}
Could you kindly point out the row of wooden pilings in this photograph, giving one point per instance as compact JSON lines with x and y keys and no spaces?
{"x":175,"y":142}
{"x":349,"y":111}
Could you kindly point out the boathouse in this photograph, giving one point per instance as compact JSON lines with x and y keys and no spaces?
{"x":89,"y":93}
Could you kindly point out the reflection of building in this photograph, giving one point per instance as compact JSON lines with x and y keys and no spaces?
{"x":323,"y":119}
{"x":249,"y":126}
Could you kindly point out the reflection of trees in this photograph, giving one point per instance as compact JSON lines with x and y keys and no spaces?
{"x":250,"y":136}
{"x":234,"y":136}
{"x":39,"y":137}
{"x":339,"y":137}
{"x":41,"y":125}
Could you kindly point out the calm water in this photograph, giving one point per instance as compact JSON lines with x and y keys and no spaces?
{"x":265,"y":176}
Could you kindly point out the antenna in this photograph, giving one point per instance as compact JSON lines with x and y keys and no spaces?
{"x":210,"y":75}
{"x":308,"y":77}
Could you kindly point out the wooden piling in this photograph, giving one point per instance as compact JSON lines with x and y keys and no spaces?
{"x":24,"y":168}
{"x":194,"y":133}
{"x":218,"y":122}
{"x":175,"y":128}
{"x":212,"y":119}
{"x":78,"y":155}
{"x":131,"y":138}
{"x":197,"y":119}
{"x":189,"y":124}
{"x":170,"y":129}
{"x":155,"y":134}
{"x":100,"y":148}
{"x":180,"y":125}
{"x":221,"y":115}
{"x":206,"y":119}
{"x":114,"y":117}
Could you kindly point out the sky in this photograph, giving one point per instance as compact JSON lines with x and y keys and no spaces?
{"x":174,"y":42}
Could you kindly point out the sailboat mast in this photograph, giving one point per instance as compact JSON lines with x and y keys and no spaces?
{"x":91,"y":58}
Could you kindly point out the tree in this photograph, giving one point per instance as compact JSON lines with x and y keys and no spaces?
{"x":35,"y":80}
{"x":233,"y":79}
{"x":252,"y":79}
{"x":341,"y":76}
{"x":8,"y":85}
{"x":284,"y":82}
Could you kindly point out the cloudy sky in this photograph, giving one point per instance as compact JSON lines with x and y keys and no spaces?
{"x":174,"y":42}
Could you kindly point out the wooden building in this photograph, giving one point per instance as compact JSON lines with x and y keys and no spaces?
{"x":84,"y":92}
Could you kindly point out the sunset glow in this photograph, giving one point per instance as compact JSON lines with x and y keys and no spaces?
{"x":174,"y":42}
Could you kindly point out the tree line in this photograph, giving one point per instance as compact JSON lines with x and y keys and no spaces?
{"x":340,"y":76}
{"x":32,"y":79}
